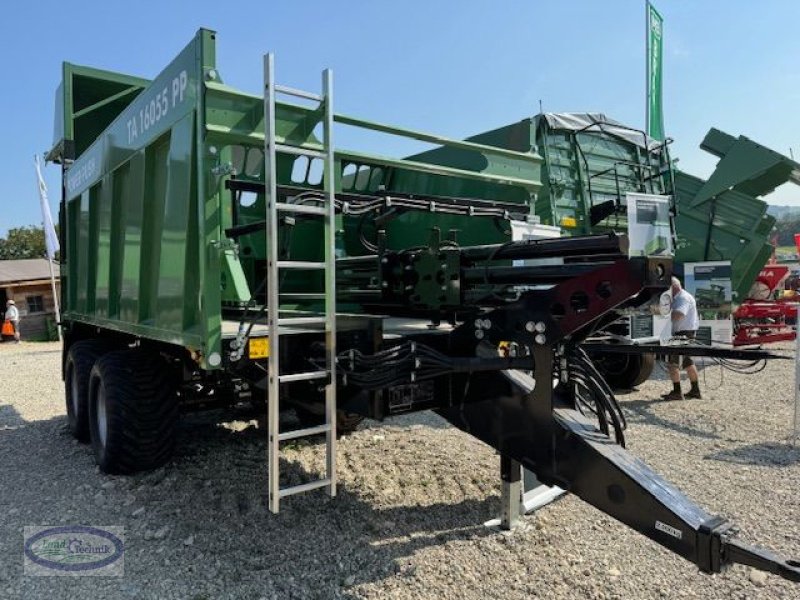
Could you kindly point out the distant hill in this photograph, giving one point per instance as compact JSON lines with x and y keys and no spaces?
{"x":781,"y":212}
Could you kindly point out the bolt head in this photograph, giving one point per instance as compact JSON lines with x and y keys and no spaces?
{"x":479,"y":334}
{"x":540,"y":327}
{"x":540,"y":339}
{"x":530,"y":327}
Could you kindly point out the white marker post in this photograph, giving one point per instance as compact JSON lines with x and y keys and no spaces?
{"x":796,"y":429}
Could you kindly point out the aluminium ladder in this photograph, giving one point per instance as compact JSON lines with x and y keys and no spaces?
{"x":279,"y":325}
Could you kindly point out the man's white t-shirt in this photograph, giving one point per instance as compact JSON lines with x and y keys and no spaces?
{"x":683,"y":302}
{"x":12,"y":314}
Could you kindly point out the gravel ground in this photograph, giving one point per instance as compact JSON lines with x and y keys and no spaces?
{"x":407,"y":522}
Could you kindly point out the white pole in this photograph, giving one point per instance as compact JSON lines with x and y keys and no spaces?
{"x":55,"y":299}
{"x":647,"y":67}
{"x":796,"y":428}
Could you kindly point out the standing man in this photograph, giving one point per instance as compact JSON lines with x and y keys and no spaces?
{"x":685,"y":322}
{"x":12,"y":315}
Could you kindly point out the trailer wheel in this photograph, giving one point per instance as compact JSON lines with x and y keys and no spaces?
{"x":625,"y":371}
{"x":133,"y":410}
{"x":77,"y":368}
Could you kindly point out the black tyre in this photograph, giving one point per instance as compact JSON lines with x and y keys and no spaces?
{"x":133,"y":410}
{"x":77,"y":368}
{"x":625,"y":371}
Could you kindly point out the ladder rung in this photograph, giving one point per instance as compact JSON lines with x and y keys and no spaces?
{"x":307,"y":432}
{"x":303,"y":296}
{"x":308,"y":375}
{"x":289,"y":330}
{"x":302,"y":321}
{"x":301,"y":208}
{"x":300,"y":264}
{"x":290,"y":91}
{"x":304,"y":487}
{"x":298,"y":151}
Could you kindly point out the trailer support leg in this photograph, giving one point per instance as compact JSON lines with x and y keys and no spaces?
{"x":521,"y":493}
{"x":510,"y":492}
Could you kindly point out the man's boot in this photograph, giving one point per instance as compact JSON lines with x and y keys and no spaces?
{"x":694,"y":393}
{"x":675,"y":394}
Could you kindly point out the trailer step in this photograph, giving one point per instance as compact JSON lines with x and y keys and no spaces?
{"x":301,"y":209}
{"x":307,"y":432}
{"x":299,"y":151}
{"x":306,"y":376}
{"x":305,"y":487}
{"x":290,"y":91}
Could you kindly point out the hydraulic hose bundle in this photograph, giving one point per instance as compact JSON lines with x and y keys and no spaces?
{"x":410,"y":362}
{"x":594,"y":396}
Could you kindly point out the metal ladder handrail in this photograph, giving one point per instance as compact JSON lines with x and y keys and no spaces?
{"x":274,"y":268}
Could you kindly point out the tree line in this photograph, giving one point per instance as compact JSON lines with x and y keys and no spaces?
{"x":23,"y":242}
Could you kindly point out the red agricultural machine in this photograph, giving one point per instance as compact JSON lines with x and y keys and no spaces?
{"x":769,"y":313}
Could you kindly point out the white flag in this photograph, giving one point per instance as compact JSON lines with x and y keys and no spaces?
{"x":50,"y":237}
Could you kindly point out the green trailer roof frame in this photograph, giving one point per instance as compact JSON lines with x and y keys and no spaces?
{"x":92,"y":96}
{"x":238,"y":117}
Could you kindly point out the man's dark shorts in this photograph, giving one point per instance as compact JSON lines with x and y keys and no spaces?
{"x":687,"y":360}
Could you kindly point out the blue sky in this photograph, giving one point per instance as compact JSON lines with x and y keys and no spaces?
{"x":454,"y":68}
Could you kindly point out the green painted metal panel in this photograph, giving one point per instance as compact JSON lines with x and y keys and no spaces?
{"x":80,"y":269}
{"x":172,"y":260}
{"x":103,"y":206}
{"x":131,"y":197}
{"x":734,"y":226}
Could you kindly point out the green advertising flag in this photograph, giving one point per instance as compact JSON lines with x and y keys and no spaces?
{"x":655,"y":111}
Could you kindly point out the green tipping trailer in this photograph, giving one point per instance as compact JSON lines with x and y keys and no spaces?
{"x":206,"y":238}
{"x":146,"y":207}
{"x":163,"y":233}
